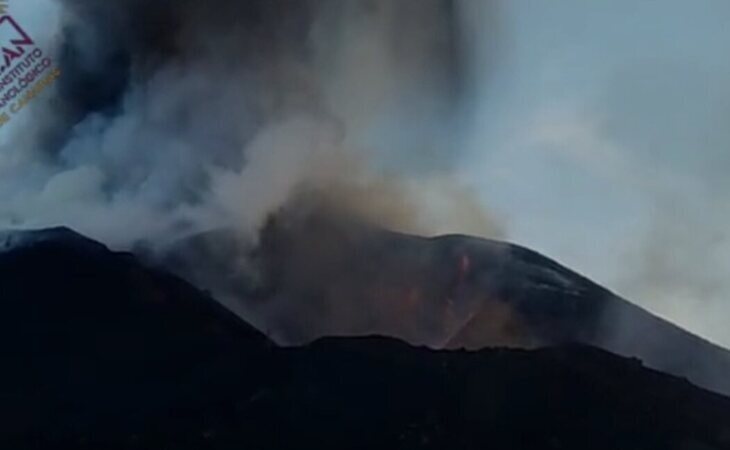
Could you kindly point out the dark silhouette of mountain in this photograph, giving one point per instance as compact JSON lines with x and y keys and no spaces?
{"x":315,"y":275}
{"x":100,"y":351}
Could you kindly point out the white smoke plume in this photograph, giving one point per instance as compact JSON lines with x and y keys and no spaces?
{"x":174,"y":117}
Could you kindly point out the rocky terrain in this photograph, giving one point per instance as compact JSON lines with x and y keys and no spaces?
{"x":314,"y":275}
{"x":102,"y":351}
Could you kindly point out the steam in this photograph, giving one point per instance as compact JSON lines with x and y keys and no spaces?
{"x":176,"y":117}
{"x":172,"y":118}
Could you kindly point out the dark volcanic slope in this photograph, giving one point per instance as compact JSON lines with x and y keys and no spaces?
{"x":100,"y":352}
{"x":87,"y":336}
{"x":323,"y":275}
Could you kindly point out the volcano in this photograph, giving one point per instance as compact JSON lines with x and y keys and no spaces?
{"x":101,"y":351}
{"x":316,"y":274}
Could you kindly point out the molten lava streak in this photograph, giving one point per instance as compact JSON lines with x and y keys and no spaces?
{"x":458,"y":313}
{"x":464,"y":266}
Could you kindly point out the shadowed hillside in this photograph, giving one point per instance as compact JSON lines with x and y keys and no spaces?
{"x":102,"y":352}
{"x":315,"y":275}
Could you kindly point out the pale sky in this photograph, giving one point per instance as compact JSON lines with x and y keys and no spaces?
{"x":602,"y":136}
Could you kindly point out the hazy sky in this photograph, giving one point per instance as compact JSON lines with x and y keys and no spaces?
{"x":602,"y":136}
{"x":599,"y":133}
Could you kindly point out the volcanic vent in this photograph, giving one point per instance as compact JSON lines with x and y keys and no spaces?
{"x":315,"y":272}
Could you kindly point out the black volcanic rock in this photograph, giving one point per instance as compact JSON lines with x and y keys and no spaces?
{"x":86,"y":335}
{"x":100,"y":351}
{"x":316,"y":274}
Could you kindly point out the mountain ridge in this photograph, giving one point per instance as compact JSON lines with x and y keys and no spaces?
{"x":101,"y":351}
{"x":316,"y":275}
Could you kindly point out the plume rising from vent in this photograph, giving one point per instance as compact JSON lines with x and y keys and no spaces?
{"x":175,"y":117}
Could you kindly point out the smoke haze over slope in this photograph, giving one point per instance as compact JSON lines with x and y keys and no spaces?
{"x":594,"y":131}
